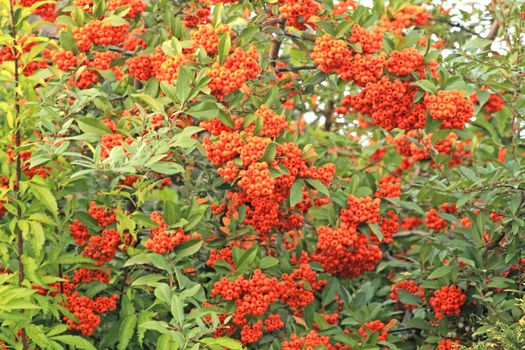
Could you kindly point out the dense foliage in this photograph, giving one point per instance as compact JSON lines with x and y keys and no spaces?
{"x":266,"y":174}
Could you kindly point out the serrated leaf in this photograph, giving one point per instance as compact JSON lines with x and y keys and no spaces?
{"x":127,"y":329}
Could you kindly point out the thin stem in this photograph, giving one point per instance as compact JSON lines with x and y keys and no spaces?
{"x":18,"y":142}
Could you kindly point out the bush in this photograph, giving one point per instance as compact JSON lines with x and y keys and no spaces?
{"x":279,"y":174}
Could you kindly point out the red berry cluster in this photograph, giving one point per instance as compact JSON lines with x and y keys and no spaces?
{"x":369,"y":42}
{"x":273,"y":323}
{"x":98,"y":33}
{"x":447,"y":301}
{"x":110,"y":141}
{"x":208,"y":37}
{"x":273,"y":123}
{"x":451,"y":107}
{"x":389,"y":225}
{"x":4,"y":183}
{"x":87,"y":311}
{"x":27,"y":43}
{"x":64,"y":59}
{"x":390,"y":104}
{"x":47,"y":11}
{"x":238,"y":68}
{"x":101,"y":214}
{"x":359,"y":210}
{"x":411,"y":287}
{"x":345,"y":252}
{"x":449,"y":344}
{"x":162,"y":239}
{"x":102,"y":247}
{"x":312,"y":340}
{"x":264,"y":194}
{"x":136,"y":7}
{"x":434,"y":221}
{"x":298,"y":12}
{"x":404,"y":62}
{"x":79,"y":232}
{"x":407,"y":16}
{"x":255,"y":295}
{"x":389,"y":186}
{"x":375,"y":326}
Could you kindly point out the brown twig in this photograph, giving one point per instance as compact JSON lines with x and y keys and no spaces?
{"x":276,"y":45}
{"x":18,"y":142}
{"x":409,"y":233}
{"x":457,"y":25}
{"x":294,"y":69}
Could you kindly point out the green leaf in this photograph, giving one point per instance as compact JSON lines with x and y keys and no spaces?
{"x":167,"y":168}
{"x":440,"y":272}
{"x":127,"y":329}
{"x":426,"y":85}
{"x":177,"y":309}
{"x":147,"y":280}
{"x":377,"y":231}
{"x":45,"y":197}
{"x":163,"y":293}
{"x":267,"y":262}
{"x":269,"y":153}
{"x":152,"y":102}
{"x":246,"y":259}
{"x":75,"y":341}
{"x":319,"y":186}
{"x":183,"y":84}
{"x":330,"y":290}
{"x":223,"y":342}
{"x":93,"y":126}
{"x":408,"y":298}
{"x":225,"y":44}
{"x":296,"y":192}
{"x":188,"y":248}
{"x":204,"y":110}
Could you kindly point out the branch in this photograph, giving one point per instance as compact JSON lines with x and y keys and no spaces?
{"x":457,"y":25}
{"x":276,"y":45}
{"x":294,"y":69}
{"x":411,"y":233}
{"x":18,"y":142}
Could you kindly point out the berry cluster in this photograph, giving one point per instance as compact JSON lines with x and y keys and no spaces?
{"x":449,"y":344}
{"x":434,"y":221}
{"x":404,"y":62}
{"x":101,"y":214}
{"x":345,"y":252}
{"x":375,"y":326}
{"x":238,"y":68}
{"x":102,"y":247}
{"x":87,"y":311}
{"x":447,"y":301}
{"x":136,"y":7}
{"x":408,"y":285}
{"x":389,"y":186}
{"x":110,"y":141}
{"x":451,"y":107}
{"x":254,"y":297}
{"x":208,"y":37}
{"x":96,"y":32}
{"x":298,"y":12}
{"x":407,"y":16}
{"x":79,"y":232}
{"x":359,"y":210}
{"x":162,"y":239}
{"x":273,"y":124}
{"x":312,"y":340}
